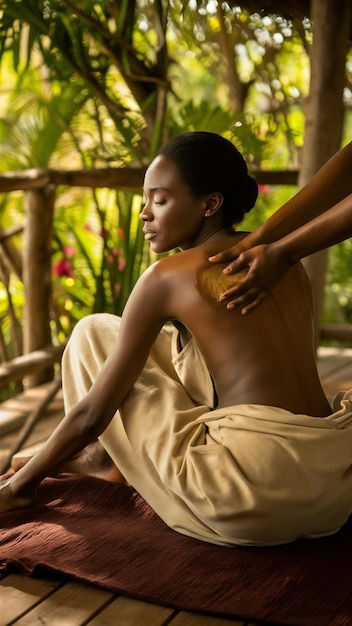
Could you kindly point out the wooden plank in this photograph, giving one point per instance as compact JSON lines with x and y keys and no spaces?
{"x":121,"y":178}
{"x":334,"y":366}
{"x":10,"y":232}
{"x":35,"y":361}
{"x":44,"y":428}
{"x":13,"y":412}
{"x":340,"y":380}
{"x":41,"y":430}
{"x":73,"y":605}
{"x":19,"y":594}
{"x":26,"y":179}
{"x":184,"y":618}
{"x":332,"y":360}
{"x":114,"y":178}
{"x":341,"y":332}
{"x":30,"y":422}
{"x":11,"y":420}
{"x":129,"y":612}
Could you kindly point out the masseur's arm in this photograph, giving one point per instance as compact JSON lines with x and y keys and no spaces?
{"x":267,"y":262}
{"x":90,"y":417}
{"x":327,"y":188}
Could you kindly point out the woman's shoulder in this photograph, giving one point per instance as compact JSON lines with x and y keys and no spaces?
{"x":175,"y":262}
{"x":161,"y":273}
{"x":211,"y":281}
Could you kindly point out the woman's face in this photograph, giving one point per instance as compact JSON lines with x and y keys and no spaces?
{"x":172,"y":216}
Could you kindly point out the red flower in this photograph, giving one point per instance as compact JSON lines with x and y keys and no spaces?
{"x":63,"y":268}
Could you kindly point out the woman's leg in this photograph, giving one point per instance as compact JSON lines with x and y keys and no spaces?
{"x":89,"y":346}
{"x":86,"y":351}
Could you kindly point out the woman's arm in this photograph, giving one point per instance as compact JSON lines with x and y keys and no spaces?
{"x":141,"y":322}
{"x":266,"y":263}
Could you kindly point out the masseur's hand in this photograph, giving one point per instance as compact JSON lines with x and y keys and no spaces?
{"x":9,"y":501}
{"x":265,"y":264}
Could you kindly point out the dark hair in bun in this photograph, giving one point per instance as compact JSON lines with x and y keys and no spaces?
{"x":207,"y":163}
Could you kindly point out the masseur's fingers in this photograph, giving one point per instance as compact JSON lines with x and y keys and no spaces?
{"x":232,"y":255}
{"x":248,"y":302}
{"x":244,"y":295}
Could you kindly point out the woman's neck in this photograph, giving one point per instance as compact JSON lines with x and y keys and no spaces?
{"x":211,"y":234}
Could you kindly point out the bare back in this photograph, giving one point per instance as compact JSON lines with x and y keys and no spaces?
{"x":265,"y":358}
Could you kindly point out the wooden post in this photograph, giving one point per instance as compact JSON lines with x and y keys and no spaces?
{"x":324,"y":112}
{"x":39,"y":207}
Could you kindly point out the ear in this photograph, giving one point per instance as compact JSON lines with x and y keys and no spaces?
{"x":213,"y":203}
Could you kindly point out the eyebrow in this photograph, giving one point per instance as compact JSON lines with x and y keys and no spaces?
{"x":158,"y":189}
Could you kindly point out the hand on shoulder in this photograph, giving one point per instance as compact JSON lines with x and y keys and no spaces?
{"x":263,"y":265}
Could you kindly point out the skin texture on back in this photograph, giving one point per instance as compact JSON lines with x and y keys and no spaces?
{"x":211,"y":282}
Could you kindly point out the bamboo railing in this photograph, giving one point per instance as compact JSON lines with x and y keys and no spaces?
{"x":39,"y":189}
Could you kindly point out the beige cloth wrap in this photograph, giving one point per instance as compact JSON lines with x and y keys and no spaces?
{"x":245,"y":474}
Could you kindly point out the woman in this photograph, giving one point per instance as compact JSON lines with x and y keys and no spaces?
{"x":220,"y":424}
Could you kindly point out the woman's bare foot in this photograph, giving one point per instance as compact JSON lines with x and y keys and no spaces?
{"x":92,"y":461}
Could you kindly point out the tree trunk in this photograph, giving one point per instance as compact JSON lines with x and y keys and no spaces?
{"x":324,"y":112}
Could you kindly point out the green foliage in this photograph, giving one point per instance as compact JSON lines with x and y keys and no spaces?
{"x":98,"y":254}
{"x":338,"y":309}
{"x":269,"y":199}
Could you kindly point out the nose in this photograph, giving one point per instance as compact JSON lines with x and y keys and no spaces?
{"x":145,"y":214}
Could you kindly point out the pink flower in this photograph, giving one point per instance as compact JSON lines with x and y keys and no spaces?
{"x":121,"y":233}
{"x":114,"y":254}
{"x":70,"y":251}
{"x":63,"y":268}
{"x":103,"y":233}
{"x":121,"y":265}
{"x":263,"y":189}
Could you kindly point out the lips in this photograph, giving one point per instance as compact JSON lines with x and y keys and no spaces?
{"x":149,"y":234}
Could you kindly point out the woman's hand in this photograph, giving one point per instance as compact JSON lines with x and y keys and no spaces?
{"x":10,"y":501}
{"x":265,"y":264}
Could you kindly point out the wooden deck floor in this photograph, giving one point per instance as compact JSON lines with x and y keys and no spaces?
{"x":57,"y":601}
